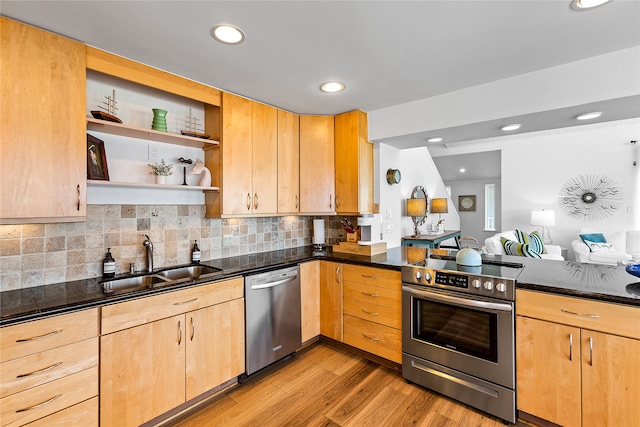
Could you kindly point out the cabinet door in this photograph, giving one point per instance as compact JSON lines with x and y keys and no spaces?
{"x":354,"y":164}
{"x":142,"y":372}
{"x":610,"y":380}
{"x":237,"y":162}
{"x":310,"y":297}
{"x":43,"y":163}
{"x":265,"y":159}
{"x":317,"y":167}
{"x":331,"y":300}
{"x":215,"y":346}
{"x":548,"y":370}
{"x":288,"y":162}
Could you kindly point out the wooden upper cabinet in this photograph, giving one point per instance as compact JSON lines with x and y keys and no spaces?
{"x":249,"y":157}
{"x":317,"y":167}
{"x":42,"y":126}
{"x":354,"y":164}
{"x":288,"y":163}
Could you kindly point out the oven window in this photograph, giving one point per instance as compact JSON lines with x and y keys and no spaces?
{"x":464,"y":330}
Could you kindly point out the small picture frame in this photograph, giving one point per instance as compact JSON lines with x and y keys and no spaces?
{"x":467,"y":203}
{"x":96,"y":159}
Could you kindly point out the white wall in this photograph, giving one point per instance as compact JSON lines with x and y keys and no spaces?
{"x":535,"y":167}
{"x":472,"y":223}
{"x":417,"y":168}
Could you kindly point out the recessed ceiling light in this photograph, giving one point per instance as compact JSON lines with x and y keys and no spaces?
{"x":435,"y":139}
{"x":227,"y":34}
{"x":332,"y":87}
{"x":586,"y":4}
{"x":510,"y":127}
{"x":462,"y":170}
{"x":589,"y":116}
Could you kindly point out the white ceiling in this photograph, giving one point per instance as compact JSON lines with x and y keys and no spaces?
{"x":386,"y":52}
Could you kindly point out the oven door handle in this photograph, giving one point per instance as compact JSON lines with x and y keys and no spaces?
{"x":496,"y":306}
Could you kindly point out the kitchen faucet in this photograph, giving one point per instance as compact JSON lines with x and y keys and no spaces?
{"x":149,"y":247}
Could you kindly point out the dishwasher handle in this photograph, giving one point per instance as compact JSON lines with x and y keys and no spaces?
{"x":273,"y":284}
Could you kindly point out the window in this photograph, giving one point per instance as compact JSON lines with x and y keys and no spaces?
{"x":490,"y":207}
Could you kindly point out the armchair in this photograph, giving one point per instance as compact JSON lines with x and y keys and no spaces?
{"x":494,"y":246}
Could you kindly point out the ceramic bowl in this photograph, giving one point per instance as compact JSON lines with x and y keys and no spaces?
{"x":633,"y":269}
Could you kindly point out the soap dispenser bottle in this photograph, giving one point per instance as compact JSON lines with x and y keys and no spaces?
{"x":195,"y":253}
{"x":109,"y":265}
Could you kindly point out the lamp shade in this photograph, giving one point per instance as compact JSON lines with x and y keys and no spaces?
{"x":416,"y":207}
{"x":543,"y":217}
{"x":439,"y":206}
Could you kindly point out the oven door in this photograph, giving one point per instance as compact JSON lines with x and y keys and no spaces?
{"x":470,"y":334}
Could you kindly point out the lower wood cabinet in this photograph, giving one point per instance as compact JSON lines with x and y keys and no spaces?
{"x":149,"y":369}
{"x":310,"y":299}
{"x":331,"y":300}
{"x":577,"y":360}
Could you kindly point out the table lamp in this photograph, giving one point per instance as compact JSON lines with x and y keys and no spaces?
{"x":544,"y":218}
{"x":417,"y":210}
{"x":439,"y":206}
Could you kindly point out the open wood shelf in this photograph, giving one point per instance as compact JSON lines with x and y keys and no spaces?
{"x":99,"y":183}
{"x":147,"y":134}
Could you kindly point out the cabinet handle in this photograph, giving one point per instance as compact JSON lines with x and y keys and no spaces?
{"x":369,"y":295}
{"x":330,"y":201}
{"x":39,"y":336}
{"x":179,"y":333}
{"x":338,"y":268}
{"x":593,"y":316}
{"x":369,"y":277}
{"x":370,"y":338}
{"x":296,"y":202}
{"x":39,"y":404}
{"x":248,"y":201}
{"x":39,"y":371}
{"x":570,"y":347}
{"x":590,"y":351}
{"x":370,"y":312}
{"x":193,"y":329}
{"x":78,"y":199}
{"x":255,"y":201}
{"x":337,"y":204}
{"x":185,"y":302}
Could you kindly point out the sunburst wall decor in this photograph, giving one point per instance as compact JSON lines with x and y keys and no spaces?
{"x":590,"y":197}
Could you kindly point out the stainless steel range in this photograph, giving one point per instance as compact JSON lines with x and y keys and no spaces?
{"x":458,"y":331}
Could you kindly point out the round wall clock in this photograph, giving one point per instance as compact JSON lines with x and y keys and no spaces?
{"x":393,"y":176}
{"x":466,"y":203}
{"x":590,"y":197}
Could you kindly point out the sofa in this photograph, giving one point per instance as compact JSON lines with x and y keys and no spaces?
{"x":493,"y":246}
{"x":618,"y":248}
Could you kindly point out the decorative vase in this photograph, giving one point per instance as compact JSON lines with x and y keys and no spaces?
{"x":161,"y":179}
{"x":633,"y":269}
{"x":159,"y":120}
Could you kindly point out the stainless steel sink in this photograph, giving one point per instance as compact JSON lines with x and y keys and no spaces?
{"x":165,"y":277}
{"x":130,"y":284}
{"x":188,"y":272}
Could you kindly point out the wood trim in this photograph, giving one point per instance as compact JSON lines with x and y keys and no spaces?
{"x":127,"y":69}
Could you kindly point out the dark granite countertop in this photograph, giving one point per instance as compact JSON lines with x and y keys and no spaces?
{"x":605,"y":283}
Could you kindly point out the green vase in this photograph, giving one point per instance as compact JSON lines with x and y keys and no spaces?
{"x":159,"y":119}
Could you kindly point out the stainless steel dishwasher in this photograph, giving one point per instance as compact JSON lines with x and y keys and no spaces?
{"x":272,"y":317}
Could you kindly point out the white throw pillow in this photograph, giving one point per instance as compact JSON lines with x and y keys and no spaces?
{"x":599,"y":246}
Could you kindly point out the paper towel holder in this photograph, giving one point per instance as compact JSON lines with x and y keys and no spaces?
{"x":318,"y":234}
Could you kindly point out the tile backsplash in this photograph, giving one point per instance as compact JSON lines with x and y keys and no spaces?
{"x":39,"y":254}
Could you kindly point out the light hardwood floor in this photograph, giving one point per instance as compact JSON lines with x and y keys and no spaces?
{"x":326,"y":386}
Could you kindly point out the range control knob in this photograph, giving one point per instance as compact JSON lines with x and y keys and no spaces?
{"x":476,"y":283}
{"x":501,"y":287}
{"x":427,"y":277}
{"x":488,"y":285}
{"x":418,"y":275}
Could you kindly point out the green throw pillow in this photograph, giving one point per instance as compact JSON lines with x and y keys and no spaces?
{"x":518,"y":249}
{"x":534,"y":240}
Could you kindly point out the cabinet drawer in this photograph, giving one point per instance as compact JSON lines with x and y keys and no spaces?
{"x":606,"y":317}
{"x":38,"y":402}
{"x":375,"y":313}
{"x":83,"y":414}
{"x":373,"y":276}
{"x":36,"y":369}
{"x":148,"y":309}
{"x":391,"y":298}
{"x":377,"y":339}
{"x":40,"y":335}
